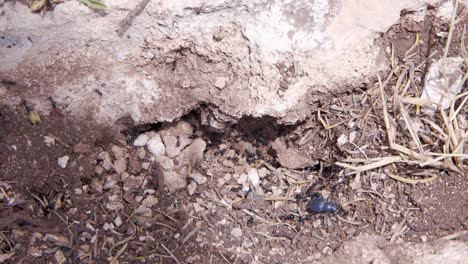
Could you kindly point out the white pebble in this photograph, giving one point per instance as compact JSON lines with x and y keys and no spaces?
{"x":63,"y":161}
{"x":236,"y":232}
{"x":253,"y":176}
{"x":141,"y":140}
{"x":118,"y":221}
{"x":242,"y":178}
{"x":156,"y":146}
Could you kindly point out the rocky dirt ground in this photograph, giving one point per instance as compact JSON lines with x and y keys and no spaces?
{"x":74,"y":192}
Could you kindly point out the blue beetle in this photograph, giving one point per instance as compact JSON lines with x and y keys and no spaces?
{"x":320,"y":205}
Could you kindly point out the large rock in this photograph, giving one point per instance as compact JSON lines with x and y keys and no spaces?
{"x":238,"y":57}
{"x":368,"y":248}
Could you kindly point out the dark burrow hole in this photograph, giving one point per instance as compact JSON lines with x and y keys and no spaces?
{"x":258,"y":131}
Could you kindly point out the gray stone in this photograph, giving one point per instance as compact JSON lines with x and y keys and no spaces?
{"x":198,"y":178}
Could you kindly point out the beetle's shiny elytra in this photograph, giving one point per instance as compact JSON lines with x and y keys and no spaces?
{"x":320,"y":205}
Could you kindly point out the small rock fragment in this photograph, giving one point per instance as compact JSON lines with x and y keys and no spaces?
{"x":343,"y":139}
{"x":108,"y":226}
{"x":198,"y":178}
{"x":63,"y":161}
{"x":50,"y":141}
{"x":220,"y":82}
{"x":149,"y":201}
{"x":145,"y":165}
{"x":98,"y":170}
{"x":236,"y":232}
{"x":118,"y":221}
{"x":252,"y":173}
{"x":134,"y":183}
{"x":114,"y":206}
{"x":442,"y":83}
{"x":58,"y":240}
{"x":242,"y":178}
{"x":141,"y":153}
{"x":35,"y":252}
{"x":135,"y":165}
{"x":193,"y":154}
{"x":156,"y":146}
{"x":105,"y":159}
{"x":120,"y":165}
{"x":118,"y":152}
{"x":141,"y":140}
{"x":289,"y":157}
{"x":191,"y":188}
{"x":59,"y":257}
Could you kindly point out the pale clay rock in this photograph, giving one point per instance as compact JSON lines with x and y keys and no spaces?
{"x":220,"y":82}
{"x":193,"y":154}
{"x":181,"y":128}
{"x":250,"y":39}
{"x":156,"y":146}
{"x":141,"y":140}
{"x":175,"y":144}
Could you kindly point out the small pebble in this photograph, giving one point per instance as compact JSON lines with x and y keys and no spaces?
{"x":120,"y":165}
{"x":192,"y":187}
{"x":236,"y":232}
{"x":156,"y":146}
{"x":198,"y":178}
{"x":252,"y":173}
{"x":118,"y":152}
{"x":63,"y":161}
{"x":118,"y":221}
{"x":141,"y":140}
{"x":242,"y":178}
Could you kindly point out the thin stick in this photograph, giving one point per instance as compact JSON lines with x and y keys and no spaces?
{"x":128,"y":20}
{"x":121,"y":251}
{"x":349,"y":221}
{"x":170,"y":253}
